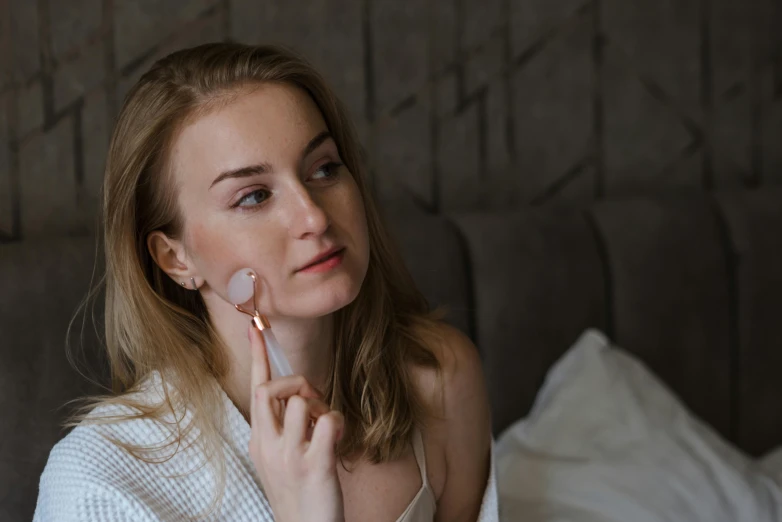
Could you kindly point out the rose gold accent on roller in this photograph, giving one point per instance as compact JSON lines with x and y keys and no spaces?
{"x":259,"y":320}
{"x":244,"y":311}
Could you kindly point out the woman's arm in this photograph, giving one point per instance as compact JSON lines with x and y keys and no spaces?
{"x":80,"y":482}
{"x":466,"y":429}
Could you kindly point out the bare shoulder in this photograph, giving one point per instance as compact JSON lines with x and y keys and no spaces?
{"x":460,"y":375}
{"x":460,"y":379}
{"x":458,"y":429}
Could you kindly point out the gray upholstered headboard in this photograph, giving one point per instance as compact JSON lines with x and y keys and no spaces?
{"x":692,"y":285}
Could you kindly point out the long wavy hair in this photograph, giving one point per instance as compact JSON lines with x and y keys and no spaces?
{"x":153,"y":326}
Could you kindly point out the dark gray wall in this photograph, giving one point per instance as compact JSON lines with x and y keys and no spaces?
{"x":464,"y":104}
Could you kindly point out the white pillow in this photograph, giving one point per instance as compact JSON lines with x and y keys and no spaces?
{"x":607,"y":441}
{"x":772,"y":464}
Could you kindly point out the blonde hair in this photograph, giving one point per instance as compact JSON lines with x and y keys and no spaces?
{"x":152,"y":324}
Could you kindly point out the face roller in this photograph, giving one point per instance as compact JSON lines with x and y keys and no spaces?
{"x":242,"y":288}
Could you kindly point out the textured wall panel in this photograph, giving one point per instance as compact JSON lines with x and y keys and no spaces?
{"x":498,"y":147}
{"x":403,"y":161}
{"x":202,"y":30}
{"x":6,"y":205}
{"x":532,"y":20}
{"x":769,"y":147}
{"x":480,"y":21}
{"x":79,"y":75}
{"x":25,"y":49}
{"x":484,"y":65}
{"x":140,"y":25}
{"x":330,"y":34}
{"x":461,"y":103}
{"x":95,"y":130}
{"x":662,"y":41}
{"x":443,"y":36}
{"x":643,"y":133}
{"x":48,"y":183}
{"x":400,"y":36}
{"x":29,"y":100}
{"x":552,"y":103}
{"x":72,"y":23}
{"x":462,"y":181}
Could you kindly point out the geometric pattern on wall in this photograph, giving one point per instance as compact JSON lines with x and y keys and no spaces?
{"x":461,"y":104}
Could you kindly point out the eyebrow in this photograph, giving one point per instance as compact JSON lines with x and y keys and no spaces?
{"x":264,"y":168}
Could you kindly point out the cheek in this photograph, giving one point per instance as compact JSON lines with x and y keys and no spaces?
{"x":216,"y":252}
{"x":219,"y":251}
{"x":207,"y":247}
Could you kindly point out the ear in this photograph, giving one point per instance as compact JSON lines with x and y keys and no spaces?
{"x":169,"y":254}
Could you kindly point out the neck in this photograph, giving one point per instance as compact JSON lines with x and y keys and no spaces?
{"x":306,"y":343}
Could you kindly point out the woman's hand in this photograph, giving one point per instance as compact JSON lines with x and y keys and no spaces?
{"x":296,"y":463}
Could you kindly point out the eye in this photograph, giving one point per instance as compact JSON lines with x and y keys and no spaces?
{"x":256,"y":197}
{"x":327,"y":171}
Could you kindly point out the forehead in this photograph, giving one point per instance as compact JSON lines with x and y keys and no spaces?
{"x":268,"y":122}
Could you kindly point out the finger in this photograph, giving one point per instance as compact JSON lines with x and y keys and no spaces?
{"x":276,"y":392}
{"x":259,"y":366}
{"x":317,"y":408}
{"x":282,"y":388}
{"x":328,"y":430}
{"x":267,"y":412}
{"x":297,"y":420}
{"x":270,"y":397}
{"x":300,"y":412}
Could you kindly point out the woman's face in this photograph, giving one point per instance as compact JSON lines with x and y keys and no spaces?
{"x":261,"y":185}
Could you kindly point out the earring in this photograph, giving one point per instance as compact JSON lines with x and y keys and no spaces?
{"x":192,"y":281}
{"x":182,"y":283}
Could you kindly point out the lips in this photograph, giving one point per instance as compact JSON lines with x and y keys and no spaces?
{"x":320,"y":258}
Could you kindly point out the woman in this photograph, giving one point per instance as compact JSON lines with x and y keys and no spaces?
{"x":223,"y":157}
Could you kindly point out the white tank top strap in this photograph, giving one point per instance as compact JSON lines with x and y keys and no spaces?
{"x":420,"y":455}
{"x":423,"y":506}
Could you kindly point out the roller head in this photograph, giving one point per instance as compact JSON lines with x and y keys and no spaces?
{"x":241,"y":286}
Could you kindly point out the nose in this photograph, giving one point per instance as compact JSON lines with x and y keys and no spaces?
{"x":308,"y":217}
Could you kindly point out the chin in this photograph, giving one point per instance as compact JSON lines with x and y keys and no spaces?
{"x":328,"y":297}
